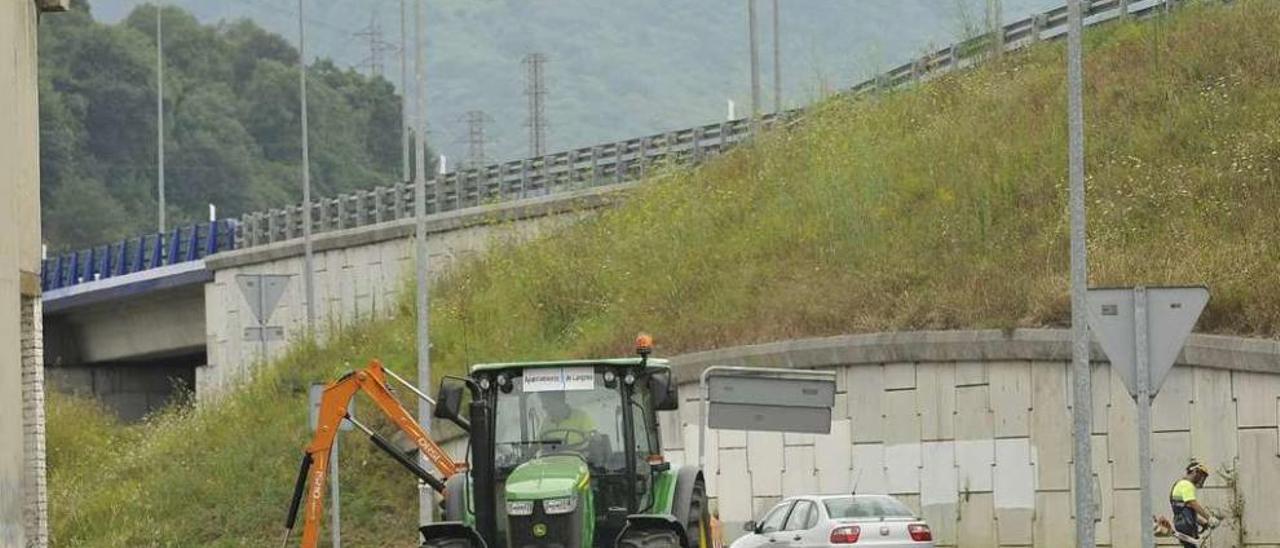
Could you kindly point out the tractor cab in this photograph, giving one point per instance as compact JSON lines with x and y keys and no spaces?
{"x":576,"y":444}
{"x":568,"y":454}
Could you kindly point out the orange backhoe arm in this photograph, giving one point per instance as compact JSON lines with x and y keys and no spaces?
{"x":309,"y":489}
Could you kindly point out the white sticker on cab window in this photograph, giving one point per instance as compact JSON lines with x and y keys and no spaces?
{"x":555,"y":379}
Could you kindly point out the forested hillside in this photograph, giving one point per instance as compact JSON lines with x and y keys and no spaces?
{"x":231,"y":122}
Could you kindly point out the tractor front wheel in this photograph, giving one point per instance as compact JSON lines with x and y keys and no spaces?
{"x":650,"y":539}
{"x":448,"y":543}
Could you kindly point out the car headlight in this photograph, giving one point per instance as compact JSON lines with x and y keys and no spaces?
{"x":560,"y":505}
{"x":520,"y":508}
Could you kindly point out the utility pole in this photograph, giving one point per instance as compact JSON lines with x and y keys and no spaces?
{"x":536,"y":90}
{"x":426,"y":500}
{"x":404,"y":94}
{"x":476,"y":138}
{"x":308,"y":265}
{"x":777,"y":62}
{"x":160,"y":116}
{"x":1081,"y":385}
{"x":995,"y":27}
{"x":308,"y":272}
{"x":755,"y":59}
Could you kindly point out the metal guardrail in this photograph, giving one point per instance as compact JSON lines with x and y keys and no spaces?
{"x":544,"y":175}
{"x":183,"y":244}
{"x":598,"y":165}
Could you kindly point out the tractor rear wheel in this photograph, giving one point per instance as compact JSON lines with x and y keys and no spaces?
{"x":650,"y":539}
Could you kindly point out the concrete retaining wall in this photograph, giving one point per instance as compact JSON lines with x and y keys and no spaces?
{"x":973,"y":430}
{"x":359,"y":273}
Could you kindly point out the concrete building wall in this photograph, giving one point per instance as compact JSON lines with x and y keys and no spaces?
{"x":19,"y":266}
{"x":359,"y":273}
{"x":973,"y":430}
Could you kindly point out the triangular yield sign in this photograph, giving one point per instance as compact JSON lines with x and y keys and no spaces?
{"x":1171,"y":314}
{"x":263,"y":292}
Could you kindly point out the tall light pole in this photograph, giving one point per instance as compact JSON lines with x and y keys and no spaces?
{"x":777,"y":62}
{"x":404,"y":94}
{"x":308,"y":262}
{"x":159,"y":117}
{"x":1082,"y":397}
{"x":755,"y":59}
{"x":308,"y":272}
{"x":425,"y":497}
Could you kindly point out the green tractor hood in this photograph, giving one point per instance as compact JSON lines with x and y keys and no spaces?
{"x":548,"y":477}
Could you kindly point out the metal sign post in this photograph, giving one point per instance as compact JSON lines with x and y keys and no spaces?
{"x":1142,"y":330}
{"x":335,"y":513}
{"x":764,"y":400}
{"x":1081,"y":382}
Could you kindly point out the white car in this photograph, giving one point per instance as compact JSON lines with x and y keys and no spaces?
{"x":837,"y":521}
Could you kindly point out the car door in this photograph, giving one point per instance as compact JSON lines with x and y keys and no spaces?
{"x":767,"y":528}
{"x":801,"y":518}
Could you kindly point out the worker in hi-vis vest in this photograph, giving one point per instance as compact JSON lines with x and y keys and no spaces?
{"x":572,"y":428}
{"x":1188,"y":514}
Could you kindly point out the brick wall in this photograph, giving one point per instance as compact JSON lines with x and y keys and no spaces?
{"x":35,"y":511}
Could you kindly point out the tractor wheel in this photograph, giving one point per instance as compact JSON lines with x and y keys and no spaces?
{"x":650,"y":539}
{"x":698,"y":519}
{"x":448,"y":543}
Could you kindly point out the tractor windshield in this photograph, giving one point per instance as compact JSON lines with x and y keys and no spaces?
{"x":561,"y":410}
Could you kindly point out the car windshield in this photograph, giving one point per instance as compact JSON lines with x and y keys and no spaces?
{"x":866,"y":507}
{"x":565,"y":410}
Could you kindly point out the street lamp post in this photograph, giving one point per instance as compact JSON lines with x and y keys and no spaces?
{"x":1082,"y":396}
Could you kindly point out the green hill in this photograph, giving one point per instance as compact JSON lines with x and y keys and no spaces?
{"x":937,"y":207}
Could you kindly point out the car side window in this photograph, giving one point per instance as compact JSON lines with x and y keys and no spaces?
{"x":774,"y":519}
{"x":799,"y":519}
{"x":813,"y":517}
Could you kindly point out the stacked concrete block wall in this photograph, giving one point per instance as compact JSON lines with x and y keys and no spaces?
{"x":359,"y":273}
{"x":972,"y":430}
{"x":36,"y":509}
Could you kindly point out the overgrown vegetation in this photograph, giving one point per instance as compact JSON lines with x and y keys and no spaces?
{"x":939,"y":207}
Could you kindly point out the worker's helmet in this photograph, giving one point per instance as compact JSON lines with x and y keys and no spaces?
{"x":1196,"y":466}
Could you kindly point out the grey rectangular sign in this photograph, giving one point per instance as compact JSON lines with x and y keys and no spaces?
{"x":769,"y":418}
{"x":315,"y":394}
{"x":268,"y":333}
{"x":771,"y":391}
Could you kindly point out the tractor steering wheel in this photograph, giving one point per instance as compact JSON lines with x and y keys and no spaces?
{"x":561,"y":436}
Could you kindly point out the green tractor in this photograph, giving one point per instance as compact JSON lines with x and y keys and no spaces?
{"x":567,"y":454}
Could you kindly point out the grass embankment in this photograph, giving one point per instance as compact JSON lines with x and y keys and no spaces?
{"x":938,"y":207}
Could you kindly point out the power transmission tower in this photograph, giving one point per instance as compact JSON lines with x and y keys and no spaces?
{"x":476,"y":138}
{"x":377,"y":46}
{"x":536,"y":90}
